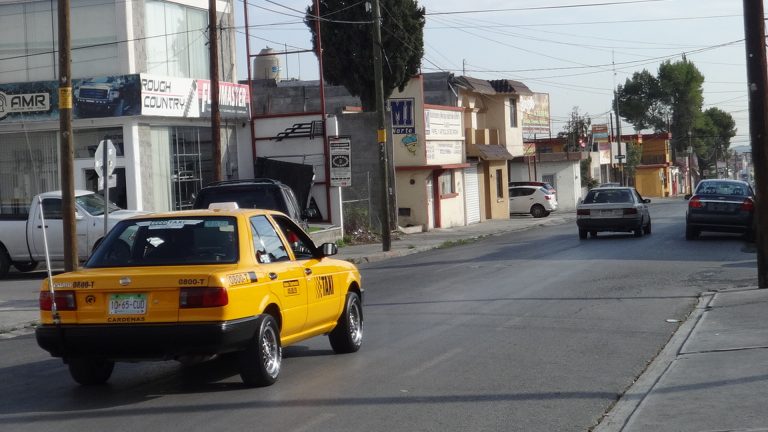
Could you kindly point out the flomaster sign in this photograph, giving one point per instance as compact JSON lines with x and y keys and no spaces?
{"x":23,"y":103}
{"x":186,"y":97}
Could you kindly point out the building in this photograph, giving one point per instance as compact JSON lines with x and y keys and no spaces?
{"x":140,"y":75}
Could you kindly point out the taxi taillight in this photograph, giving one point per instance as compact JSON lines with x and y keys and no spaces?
{"x":203,"y":297}
{"x":65,"y":300}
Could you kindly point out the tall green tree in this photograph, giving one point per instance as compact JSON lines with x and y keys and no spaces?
{"x":669,"y":102}
{"x":712,"y":133}
{"x":346,"y":31}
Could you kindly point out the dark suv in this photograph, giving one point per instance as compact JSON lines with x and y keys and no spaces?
{"x":258,"y":193}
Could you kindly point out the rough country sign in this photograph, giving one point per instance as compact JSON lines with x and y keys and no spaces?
{"x":23,"y":103}
{"x":186,"y":97}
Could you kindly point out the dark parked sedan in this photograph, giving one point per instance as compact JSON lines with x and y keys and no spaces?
{"x":720,"y":205}
{"x":618,"y":209}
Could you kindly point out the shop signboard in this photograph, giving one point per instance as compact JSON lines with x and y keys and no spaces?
{"x":341,"y":163}
{"x":535,"y":110}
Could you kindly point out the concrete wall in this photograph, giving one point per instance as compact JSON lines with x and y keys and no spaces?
{"x":413,"y":196}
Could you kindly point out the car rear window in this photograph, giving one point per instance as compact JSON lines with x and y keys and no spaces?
{"x":722,"y":188}
{"x":268,"y":198}
{"x":169,"y":241}
{"x":596,"y":196}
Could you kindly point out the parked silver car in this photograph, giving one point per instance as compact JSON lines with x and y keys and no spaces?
{"x":617,"y":209}
{"x":536,"y":200}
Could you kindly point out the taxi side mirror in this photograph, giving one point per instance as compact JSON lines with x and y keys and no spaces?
{"x":328,"y":249}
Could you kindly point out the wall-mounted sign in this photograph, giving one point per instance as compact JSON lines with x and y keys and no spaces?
{"x":23,"y":103}
{"x":443,"y":124}
{"x":341,"y":164}
{"x":403,"y":118}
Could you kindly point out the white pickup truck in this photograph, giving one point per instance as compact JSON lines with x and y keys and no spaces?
{"x":21,"y":236}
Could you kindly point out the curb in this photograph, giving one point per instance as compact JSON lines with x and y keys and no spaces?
{"x":628,"y":403}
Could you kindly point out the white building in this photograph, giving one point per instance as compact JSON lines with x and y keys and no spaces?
{"x":140,"y":75}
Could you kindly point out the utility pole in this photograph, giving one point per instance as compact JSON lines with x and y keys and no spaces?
{"x":619,"y":156}
{"x":757,"y":76}
{"x":386,"y":240}
{"x":65,"y":138}
{"x":213,"y":53}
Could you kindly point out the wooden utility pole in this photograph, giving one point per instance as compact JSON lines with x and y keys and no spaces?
{"x":386,"y":240}
{"x":65,"y":139}
{"x":754,"y":32}
{"x":213,"y":50}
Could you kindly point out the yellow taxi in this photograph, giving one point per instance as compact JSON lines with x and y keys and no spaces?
{"x":190,"y":285}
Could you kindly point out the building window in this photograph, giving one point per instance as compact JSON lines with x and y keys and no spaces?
{"x":499,"y":184}
{"x":512,"y":112}
{"x":30,"y":39}
{"x":447,"y":185}
{"x":176,"y":40}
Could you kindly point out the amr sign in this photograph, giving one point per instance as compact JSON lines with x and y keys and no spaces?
{"x":23,"y":103}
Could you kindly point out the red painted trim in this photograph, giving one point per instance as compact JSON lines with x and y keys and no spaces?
{"x":432,"y":167}
{"x":298,"y":114}
{"x":443,"y":107}
{"x":450,"y":195}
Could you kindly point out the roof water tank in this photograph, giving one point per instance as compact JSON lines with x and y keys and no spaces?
{"x":266,"y":65}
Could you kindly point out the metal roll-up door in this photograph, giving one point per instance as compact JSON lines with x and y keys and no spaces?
{"x":472,"y":194}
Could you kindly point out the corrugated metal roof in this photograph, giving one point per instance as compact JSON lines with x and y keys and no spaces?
{"x":489,"y":152}
{"x":510,"y":86}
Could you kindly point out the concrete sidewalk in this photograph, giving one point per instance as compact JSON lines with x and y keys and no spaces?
{"x":711,"y":376}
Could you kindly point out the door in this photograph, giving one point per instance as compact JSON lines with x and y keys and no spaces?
{"x":323,"y":281}
{"x":472,"y":194}
{"x":54,"y":231}
{"x":286,"y":276}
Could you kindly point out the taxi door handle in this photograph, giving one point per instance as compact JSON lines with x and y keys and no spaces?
{"x":272,"y":275}
{"x":41,"y":227}
{"x":307,"y":271}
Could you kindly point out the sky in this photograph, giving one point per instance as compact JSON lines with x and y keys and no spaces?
{"x":577,"y":51}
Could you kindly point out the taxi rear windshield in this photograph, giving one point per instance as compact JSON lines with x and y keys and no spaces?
{"x":169,"y":241}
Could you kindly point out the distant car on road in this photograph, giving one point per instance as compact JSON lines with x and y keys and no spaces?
{"x":535,"y":200}
{"x":720,"y":205}
{"x":617,"y":209}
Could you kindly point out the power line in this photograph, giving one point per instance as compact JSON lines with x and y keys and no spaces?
{"x":543,"y":7}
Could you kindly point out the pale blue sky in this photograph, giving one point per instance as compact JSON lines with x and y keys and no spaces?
{"x":563,"y":47}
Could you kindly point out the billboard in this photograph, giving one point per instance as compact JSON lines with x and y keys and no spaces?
{"x":535,"y":109}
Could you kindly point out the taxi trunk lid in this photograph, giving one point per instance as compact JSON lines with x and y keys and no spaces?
{"x":129,"y":296}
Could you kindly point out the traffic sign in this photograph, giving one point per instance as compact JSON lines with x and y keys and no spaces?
{"x":620,"y":157}
{"x":99,"y":157}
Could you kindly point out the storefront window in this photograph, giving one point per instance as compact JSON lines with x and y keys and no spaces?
{"x":446,"y":184}
{"x":29,"y":165}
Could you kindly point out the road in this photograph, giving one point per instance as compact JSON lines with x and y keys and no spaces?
{"x":534,"y":330}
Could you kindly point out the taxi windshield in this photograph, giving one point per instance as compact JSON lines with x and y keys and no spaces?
{"x":169,"y":241}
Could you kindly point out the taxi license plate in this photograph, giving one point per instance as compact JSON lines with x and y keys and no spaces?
{"x":127,"y":304}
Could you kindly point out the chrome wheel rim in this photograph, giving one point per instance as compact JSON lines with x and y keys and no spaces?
{"x":270,"y":352}
{"x":355,"y":323}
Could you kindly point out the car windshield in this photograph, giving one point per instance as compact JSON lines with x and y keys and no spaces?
{"x":598,"y":196}
{"x":169,"y":241}
{"x":94,"y":204}
{"x":722,"y":188}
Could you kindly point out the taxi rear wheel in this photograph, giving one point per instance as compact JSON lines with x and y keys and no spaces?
{"x":347,"y":337}
{"x":90,"y":371}
{"x":260,"y":362}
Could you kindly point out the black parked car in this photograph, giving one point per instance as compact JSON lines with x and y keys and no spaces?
{"x":720,"y":205}
{"x":260,"y":193}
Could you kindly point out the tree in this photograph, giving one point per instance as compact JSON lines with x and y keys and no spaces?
{"x":712,"y":133}
{"x":669,"y":102}
{"x":576,"y":131}
{"x":345,"y":27}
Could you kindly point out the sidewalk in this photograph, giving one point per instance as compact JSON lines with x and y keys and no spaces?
{"x":711,"y":376}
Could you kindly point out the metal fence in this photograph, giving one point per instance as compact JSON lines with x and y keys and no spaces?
{"x":358,"y":206}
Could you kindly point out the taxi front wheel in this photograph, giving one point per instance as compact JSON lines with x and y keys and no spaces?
{"x":347,"y":337}
{"x":260,"y":362}
{"x":90,"y":371}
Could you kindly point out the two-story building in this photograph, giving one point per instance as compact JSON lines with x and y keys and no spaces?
{"x":140,"y":79}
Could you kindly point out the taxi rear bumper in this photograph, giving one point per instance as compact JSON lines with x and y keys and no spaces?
{"x":161,"y":341}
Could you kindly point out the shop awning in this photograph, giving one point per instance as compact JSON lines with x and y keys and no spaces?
{"x":431,"y":167}
{"x":489,"y":152}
